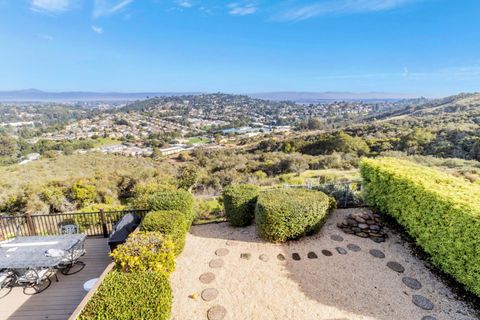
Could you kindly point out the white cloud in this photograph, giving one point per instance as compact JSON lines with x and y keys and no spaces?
{"x":103,"y":8}
{"x":50,"y":5}
{"x":320,"y":8}
{"x":185,"y":3}
{"x":98,"y":30}
{"x":237,"y":9}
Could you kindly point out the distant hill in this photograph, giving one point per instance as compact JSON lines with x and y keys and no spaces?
{"x":34,"y":95}
{"x":316,"y":97}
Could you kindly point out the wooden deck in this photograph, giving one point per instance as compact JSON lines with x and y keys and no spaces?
{"x":60,"y":300}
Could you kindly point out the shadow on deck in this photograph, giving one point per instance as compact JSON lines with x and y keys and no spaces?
{"x":60,"y":300}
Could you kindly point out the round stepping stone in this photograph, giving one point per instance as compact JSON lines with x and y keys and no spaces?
{"x":422,"y":302}
{"x":377,"y":253}
{"x":221,"y":252}
{"x":296,"y":257}
{"x":216,"y":263}
{"x":412,"y":283}
{"x":341,"y":250}
{"x":353,"y":247}
{"x":327,"y":253}
{"x":281,"y":257}
{"x":312,"y":255}
{"x":245,"y":256}
{"x":209,"y":294}
{"x":429,"y":318}
{"x":263,"y":257}
{"x":231,"y":243}
{"x":395,"y":266}
{"x":377,"y":239}
{"x":216,"y":313}
{"x":207,"y":278}
{"x":336,"y":237}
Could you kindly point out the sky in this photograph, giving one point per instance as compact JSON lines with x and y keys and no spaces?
{"x":418,"y":47}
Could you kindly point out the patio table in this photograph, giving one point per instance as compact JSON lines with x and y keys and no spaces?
{"x":29,"y":252}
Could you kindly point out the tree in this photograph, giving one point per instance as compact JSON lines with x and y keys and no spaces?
{"x":415,"y":141}
{"x":8,"y":146}
{"x":187,"y":177}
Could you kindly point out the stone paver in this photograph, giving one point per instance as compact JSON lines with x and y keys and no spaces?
{"x":209,"y":294}
{"x":336,"y":237}
{"x":263,"y":257}
{"x":281,"y":257}
{"x":395,"y":266}
{"x":422,"y":302}
{"x":340,"y":250}
{"x":412,"y":283}
{"x":216,"y":263}
{"x":245,"y":256}
{"x":353,"y":247}
{"x":327,"y":253}
{"x":296,"y":257}
{"x":231,"y":243}
{"x":377,"y":253}
{"x":429,"y":318}
{"x":216,"y":313}
{"x":207,"y":278}
{"x":312,"y":255}
{"x":222,"y":252}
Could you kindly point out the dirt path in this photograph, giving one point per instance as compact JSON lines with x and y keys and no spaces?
{"x":252,"y":283}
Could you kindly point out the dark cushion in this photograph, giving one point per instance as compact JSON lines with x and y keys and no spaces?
{"x":126,"y":225}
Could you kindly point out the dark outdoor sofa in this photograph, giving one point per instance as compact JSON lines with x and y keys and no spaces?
{"x":126,"y":225}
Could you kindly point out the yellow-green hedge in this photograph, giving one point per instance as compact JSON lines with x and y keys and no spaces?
{"x":127,"y":296}
{"x":440,"y":211}
{"x":170,"y":223}
{"x":285,"y":214}
{"x":239,"y":202}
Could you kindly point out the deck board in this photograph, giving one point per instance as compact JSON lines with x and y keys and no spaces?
{"x":60,"y":300}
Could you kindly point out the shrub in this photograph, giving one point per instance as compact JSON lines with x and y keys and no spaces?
{"x":440,"y":211}
{"x":146,"y":251}
{"x":178,"y":200}
{"x":239,"y":202}
{"x":171,"y":223}
{"x":285,"y":214}
{"x":125,"y":296}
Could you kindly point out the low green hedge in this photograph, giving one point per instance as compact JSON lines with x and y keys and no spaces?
{"x":440,"y":211}
{"x":146,"y":251}
{"x":167,"y":200}
{"x":172,"y":223}
{"x":286,"y":214}
{"x":127,"y":296}
{"x":239,"y":202}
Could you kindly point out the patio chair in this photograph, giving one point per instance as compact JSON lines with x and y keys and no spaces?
{"x":6,"y":282}
{"x":69,"y":229}
{"x":70,"y":263}
{"x":35,"y":281}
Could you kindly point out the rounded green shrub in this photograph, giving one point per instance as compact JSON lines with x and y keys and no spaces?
{"x":126,"y":296}
{"x":286,"y":214}
{"x":146,"y":251}
{"x":167,"y":200}
{"x":239,"y":202}
{"x":171,"y":223}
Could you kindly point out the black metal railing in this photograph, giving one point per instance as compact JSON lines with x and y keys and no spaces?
{"x":90,"y":223}
{"x":348,"y":194}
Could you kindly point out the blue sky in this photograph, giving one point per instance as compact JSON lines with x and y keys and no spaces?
{"x":429,"y":47}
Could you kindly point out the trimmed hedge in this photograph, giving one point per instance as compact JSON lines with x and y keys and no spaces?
{"x":286,"y":214}
{"x":239,"y":202}
{"x":440,"y":211}
{"x":126,"y":296}
{"x":146,"y":251}
{"x":167,"y":200}
{"x":172,"y":223}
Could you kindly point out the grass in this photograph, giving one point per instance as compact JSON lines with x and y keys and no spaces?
{"x":103,"y":142}
{"x":198,"y":140}
{"x":209,"y":210}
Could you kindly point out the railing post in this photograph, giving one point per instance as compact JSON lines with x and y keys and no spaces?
{"x":30,"y":224}
{"x":103,"y":221}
